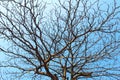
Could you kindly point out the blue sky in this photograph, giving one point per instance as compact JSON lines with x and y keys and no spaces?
{"x":6,"y":44}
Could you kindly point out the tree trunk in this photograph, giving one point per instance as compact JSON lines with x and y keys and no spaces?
{"x":54,"y":77}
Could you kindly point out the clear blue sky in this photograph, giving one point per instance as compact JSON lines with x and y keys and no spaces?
{"x":6,"y":44}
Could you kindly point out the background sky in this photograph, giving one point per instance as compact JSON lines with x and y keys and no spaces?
{"x":6,"y":44}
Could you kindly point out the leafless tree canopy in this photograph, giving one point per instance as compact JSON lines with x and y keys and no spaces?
{"x":62,"y":40}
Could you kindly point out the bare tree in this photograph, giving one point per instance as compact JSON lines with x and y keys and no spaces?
{"x":76,"y":39}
